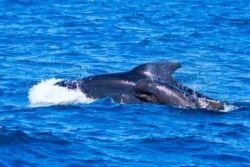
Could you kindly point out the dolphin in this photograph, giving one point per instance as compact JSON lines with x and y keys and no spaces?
{"x":126,"y":87}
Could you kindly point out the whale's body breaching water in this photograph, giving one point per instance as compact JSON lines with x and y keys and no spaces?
{"x":126,"y":87}
{"x":146,"y":83}
{"x":46,"y":93}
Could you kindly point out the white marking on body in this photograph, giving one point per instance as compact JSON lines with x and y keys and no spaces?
{"x":148,"y":73}
{"x":128,"y":83}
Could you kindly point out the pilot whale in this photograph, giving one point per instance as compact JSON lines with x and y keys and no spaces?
{"x":129,"y":87}
{"x":175,"y":94}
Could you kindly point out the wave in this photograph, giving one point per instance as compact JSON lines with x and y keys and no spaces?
{"x":15,"y":136}
{"x":46,"y":93}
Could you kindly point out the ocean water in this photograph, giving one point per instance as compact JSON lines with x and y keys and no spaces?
{"x":42,"y":42}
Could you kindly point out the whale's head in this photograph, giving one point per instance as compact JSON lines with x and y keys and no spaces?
{"x":146,"y":91}
{"x":159,"y":92}
{"x":210,"y":104}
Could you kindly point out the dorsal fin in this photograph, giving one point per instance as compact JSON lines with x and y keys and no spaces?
{"x":157,"y":70}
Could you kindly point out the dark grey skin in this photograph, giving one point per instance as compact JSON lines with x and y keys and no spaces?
{"x":131,"y":87}
{"x":173,"y":93}
{"x":120,"y":86}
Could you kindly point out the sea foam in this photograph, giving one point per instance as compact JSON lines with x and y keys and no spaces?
{"x":46,"y":93}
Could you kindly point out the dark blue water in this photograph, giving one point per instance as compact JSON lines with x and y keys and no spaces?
{"x":41,"y":41}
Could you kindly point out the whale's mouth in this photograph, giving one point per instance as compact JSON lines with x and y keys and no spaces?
{"x":147,"y":97}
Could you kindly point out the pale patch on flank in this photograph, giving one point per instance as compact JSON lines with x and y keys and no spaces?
{"x":128,"y":83}
{"x":148,"y":73}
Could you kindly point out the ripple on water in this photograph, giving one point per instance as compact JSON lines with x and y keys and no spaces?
{"x":41,"y":40}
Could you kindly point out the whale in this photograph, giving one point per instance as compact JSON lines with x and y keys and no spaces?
{"x":120,"y":86}
{"x":132,"y":87}
{"x":174,"y":94}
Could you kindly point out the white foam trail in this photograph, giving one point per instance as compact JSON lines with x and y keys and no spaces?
{"x":46,"y":93}
{"x":229,"y":108}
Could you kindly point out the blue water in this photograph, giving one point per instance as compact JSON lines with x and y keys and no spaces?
{"x":43,"y":40}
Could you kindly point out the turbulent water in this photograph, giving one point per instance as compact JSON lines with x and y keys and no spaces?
{"x":42,"y":42}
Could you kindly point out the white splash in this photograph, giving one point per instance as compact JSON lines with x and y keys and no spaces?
{"x":229,"y":108}
{"x":46,"y":93}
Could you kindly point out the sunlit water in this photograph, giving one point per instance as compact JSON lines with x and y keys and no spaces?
{"x":42,"y":42}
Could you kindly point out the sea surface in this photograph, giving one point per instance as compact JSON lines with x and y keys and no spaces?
{"x":42,"y":42}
